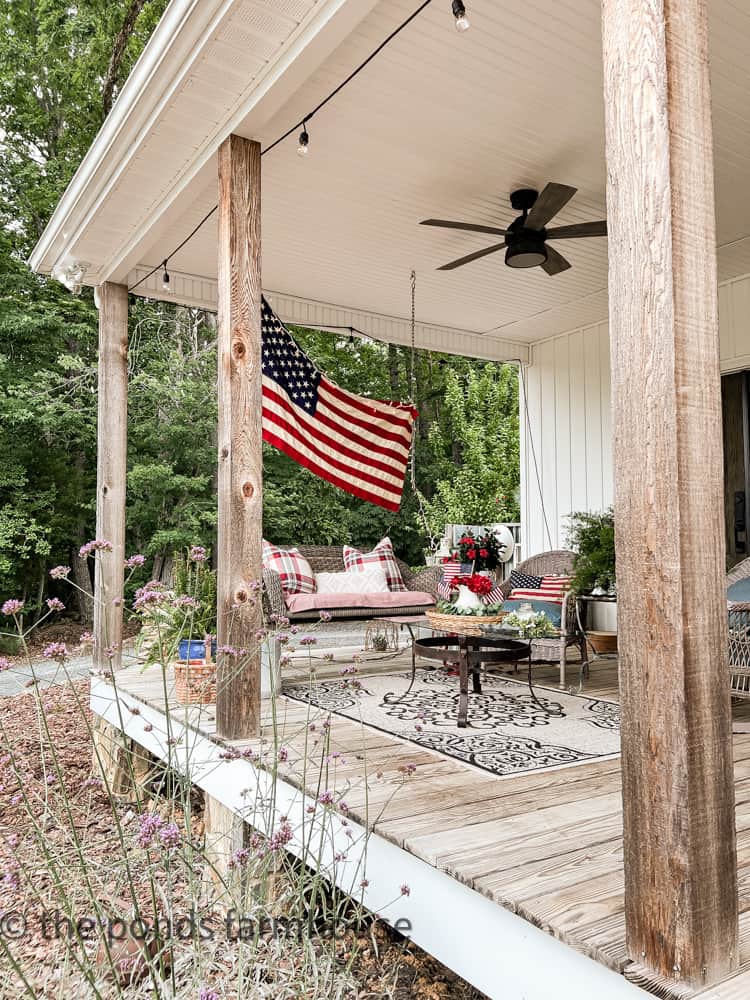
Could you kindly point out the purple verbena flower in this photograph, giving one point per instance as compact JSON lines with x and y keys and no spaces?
{"x":281,"y":837}
{"x":55,"y":651}
{"x":133,"y":562}
{"x":55,"y":604}
{"x":239,"y":859}
{"x":208,"y":994}
{"x":283,"y":754}
{"x":326,"y":798}
{"x":325,"y":616}
{"x":405,"y":890}
{"x":12,"y":607}
{"x":169,"y":835}
{"x":150,"y":825}
{"x":197,"y":554}
{"x":59,"y":572}
{"x":308,"y":640}
{"x":96,"y":545}
{"x":5,"y":663}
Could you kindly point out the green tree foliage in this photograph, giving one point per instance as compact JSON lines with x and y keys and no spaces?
{"x":61,"y":66}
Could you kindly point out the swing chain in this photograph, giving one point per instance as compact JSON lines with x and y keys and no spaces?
{"x":412,"y":390}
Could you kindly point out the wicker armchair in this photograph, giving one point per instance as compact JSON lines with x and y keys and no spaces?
{"x":739,"y":636}
{"x":557,"y":562}
{"x":330,"y":559}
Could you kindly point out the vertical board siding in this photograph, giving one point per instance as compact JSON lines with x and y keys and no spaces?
{"x":570,"y":419}
{"x":570,"y":426}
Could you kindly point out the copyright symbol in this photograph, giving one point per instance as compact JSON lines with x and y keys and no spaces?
{"x":12,"y":924}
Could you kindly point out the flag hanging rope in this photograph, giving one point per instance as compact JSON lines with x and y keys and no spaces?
{"x":360,"y":445}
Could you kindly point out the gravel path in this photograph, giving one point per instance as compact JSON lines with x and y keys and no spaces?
{"x":47,"y":672}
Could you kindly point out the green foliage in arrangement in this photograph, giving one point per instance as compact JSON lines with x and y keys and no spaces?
{"x":592,"y":538}
{"x":58,"y":77}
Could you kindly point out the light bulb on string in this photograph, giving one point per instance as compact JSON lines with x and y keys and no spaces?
{"x":165,"y":283}
{"x":304,"y":142}
{"x":459,"y":12}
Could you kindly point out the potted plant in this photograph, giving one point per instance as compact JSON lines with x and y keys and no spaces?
{"x":591,"y":536}
{"x":481,"y":550}
{"x":179,"y":625}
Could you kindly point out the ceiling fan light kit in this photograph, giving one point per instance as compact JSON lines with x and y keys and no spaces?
{"x":525,"y":239}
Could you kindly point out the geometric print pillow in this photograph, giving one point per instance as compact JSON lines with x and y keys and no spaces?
{"x":295,"y":572}
{"x":382,"y":556}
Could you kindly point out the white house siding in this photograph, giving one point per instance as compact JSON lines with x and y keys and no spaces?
{"x":569,"y":422}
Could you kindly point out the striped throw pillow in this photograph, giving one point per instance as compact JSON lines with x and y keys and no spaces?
{"x":383,"y":556}
{"x":295,"y":572}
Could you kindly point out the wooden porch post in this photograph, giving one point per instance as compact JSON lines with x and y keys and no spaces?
{"x":111,"y":471}
{"x":678,"y":790}
{"x":240,"y":442}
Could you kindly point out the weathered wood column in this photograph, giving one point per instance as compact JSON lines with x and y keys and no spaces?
{"x":240,"y":436}
{"x":678,"y":791}
{"x":111,"y":472}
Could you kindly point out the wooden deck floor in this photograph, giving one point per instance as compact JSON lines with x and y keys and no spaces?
{"x":545,"y":845}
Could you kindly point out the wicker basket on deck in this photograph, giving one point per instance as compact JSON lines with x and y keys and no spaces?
{"x":195,"y":683}
{"x":462,"y":624}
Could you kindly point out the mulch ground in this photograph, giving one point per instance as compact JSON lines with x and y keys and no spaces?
{"x":58,"y":849}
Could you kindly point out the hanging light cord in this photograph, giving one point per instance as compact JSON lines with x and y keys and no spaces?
{"x":302,"y":123}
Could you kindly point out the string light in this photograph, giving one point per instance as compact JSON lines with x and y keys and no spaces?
{"x":462,"y":23}
{"x":304,"y":141}
{"x":459,"y":12}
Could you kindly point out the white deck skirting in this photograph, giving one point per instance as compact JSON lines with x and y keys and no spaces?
{"x":495,"y":950}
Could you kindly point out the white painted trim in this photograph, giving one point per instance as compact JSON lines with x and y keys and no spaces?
{"x":202,"y":293}
{"x":490,"y":947}
{"x":174,"y":49}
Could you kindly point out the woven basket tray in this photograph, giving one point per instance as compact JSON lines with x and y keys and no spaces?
{"x":462,"y":624}
{"x":195,"y":683}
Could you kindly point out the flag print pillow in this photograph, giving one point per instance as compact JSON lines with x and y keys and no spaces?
{"x":383,"y":556}
{"x":295,"y":572}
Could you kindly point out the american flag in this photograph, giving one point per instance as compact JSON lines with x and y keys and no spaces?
{"x":451,"y":570}
{"x":360,"y":445}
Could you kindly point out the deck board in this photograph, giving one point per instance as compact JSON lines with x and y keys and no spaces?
{"x":546,"y":845}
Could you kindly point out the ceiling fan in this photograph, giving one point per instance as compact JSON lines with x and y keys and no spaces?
{"x":525,"y":239}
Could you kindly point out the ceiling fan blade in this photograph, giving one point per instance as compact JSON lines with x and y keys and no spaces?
{"x":469,"y":227}
{"x":550,"y":201}
{"x":472,"y":256}
{"x":555,"y":262}
{"x":577,"y":231}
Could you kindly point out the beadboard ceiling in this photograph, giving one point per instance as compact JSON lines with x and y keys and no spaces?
{"x":439,"y":124}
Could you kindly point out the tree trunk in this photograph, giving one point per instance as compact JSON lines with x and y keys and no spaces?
{"x":81,"y":575}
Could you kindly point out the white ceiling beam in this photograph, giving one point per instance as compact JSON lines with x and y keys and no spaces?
{"x":201,"y":293}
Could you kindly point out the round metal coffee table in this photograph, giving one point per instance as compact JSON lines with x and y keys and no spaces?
{"x":471,"y":651}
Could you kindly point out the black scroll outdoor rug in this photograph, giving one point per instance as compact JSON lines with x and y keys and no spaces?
{"x":508,"y":732}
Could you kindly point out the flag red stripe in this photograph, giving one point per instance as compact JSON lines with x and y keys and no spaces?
{"x":345,"y":485}
{"x":351,"y":474}
{"x":360,"y":422}
{"x":394,"y":413}
{"x":367,"y":446}
{"x":330,"y":444}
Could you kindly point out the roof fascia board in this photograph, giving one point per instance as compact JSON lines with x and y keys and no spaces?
{"x":175,"y":48}
{"x":185,"y":26}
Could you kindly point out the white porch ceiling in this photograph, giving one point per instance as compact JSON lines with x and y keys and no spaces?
{"x":439,"y":124}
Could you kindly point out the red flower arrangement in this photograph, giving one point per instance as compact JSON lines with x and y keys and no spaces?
{"x":476,"y":583}
{"x":483,"y":550}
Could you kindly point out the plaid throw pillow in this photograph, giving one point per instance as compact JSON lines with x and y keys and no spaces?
{"x":294,"y":570}
{"x":383,"y":556}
